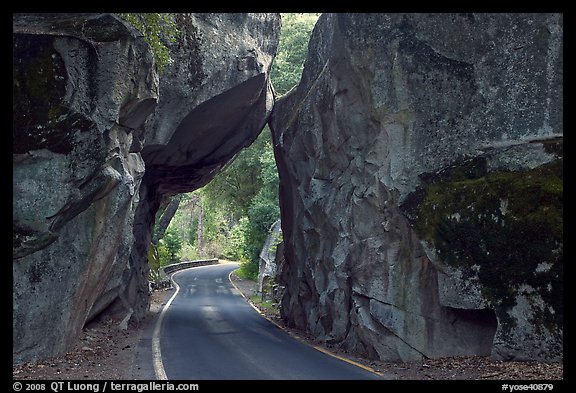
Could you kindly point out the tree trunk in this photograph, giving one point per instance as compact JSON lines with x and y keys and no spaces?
{"x":200,"y":231}
{"x":166,"y":218}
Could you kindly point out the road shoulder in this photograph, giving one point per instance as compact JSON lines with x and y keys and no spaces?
{"x":461,"y":368}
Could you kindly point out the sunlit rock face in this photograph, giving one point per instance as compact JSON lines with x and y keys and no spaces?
{"x":420,"y":163}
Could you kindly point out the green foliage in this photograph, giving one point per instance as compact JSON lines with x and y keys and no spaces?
{"x":248,"y":271}
{"x":216,"y":226}
{"x":163,"y":254}
{"x":261,"y":215}
{"x":265,"y":304}
{"x":189,"y":252}
{"x":153,"y":262}
{"x":242,"y":180}
{"x":169,"y":247}
{"x":236,"y":240}
{"x":159,"y":30}
{"x":292,"y":50}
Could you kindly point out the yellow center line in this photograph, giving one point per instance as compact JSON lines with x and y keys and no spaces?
{"x":324,"y":351}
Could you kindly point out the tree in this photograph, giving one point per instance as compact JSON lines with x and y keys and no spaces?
{"x":238,"y":184}
{"x":169,"y":247}
{"x":163,"y":219}
{"x":200,"y":230}
{"x":292,"y":50}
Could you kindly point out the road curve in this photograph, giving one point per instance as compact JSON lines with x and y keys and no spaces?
{"x":208,"y":331}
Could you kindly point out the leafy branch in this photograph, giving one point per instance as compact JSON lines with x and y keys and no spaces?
{"x":159,"y":31}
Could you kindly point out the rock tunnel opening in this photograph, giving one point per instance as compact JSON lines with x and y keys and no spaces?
{"x":209,"y":138}
{"x":206,"y":143}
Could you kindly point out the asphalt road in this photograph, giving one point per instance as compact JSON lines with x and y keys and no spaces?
{"x":208,"y":331}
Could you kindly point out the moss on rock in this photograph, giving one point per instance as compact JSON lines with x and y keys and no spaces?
{"x":41,"y":119}
{"x":504,"y":227}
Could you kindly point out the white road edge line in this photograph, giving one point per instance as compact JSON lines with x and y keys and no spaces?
{"x":156,"y":352}
{"x":318,"y":348}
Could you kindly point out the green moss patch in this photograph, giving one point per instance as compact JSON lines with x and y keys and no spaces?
{"x":40,"y":120}
{"x":504,"y":227}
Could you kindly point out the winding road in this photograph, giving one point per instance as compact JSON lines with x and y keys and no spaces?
{"x":208,"y":331}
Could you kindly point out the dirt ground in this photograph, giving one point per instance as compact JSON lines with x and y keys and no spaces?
{"x":104,"y":351}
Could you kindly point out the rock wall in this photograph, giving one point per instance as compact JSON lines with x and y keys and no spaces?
{"x":420,"y":163}
{"x":268,"y":263}
{"x":83,"y":86}
{"x":99,"y":139}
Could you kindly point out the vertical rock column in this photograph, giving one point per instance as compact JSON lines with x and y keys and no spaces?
{"x":83,"y":86}
{"x":396,"y":118}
